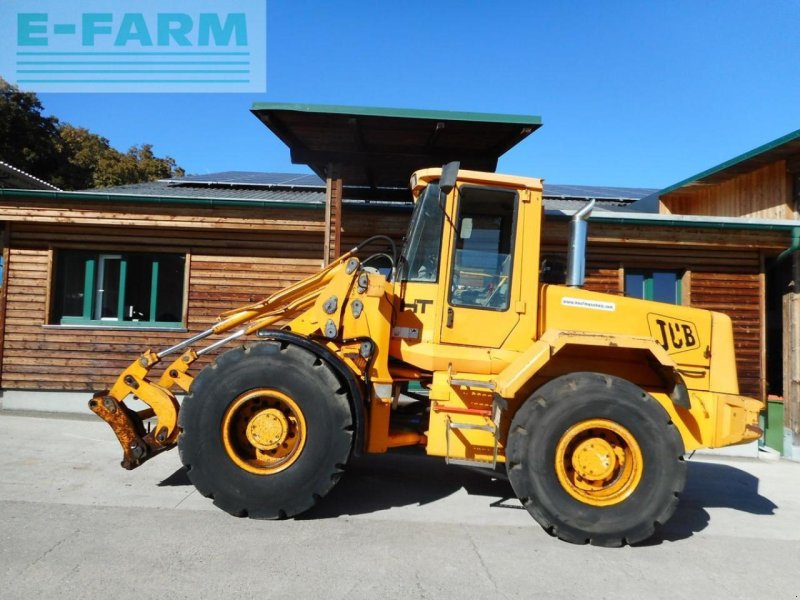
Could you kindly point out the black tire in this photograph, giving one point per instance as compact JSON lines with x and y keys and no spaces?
{"x":328,"y":436}
{"x":563,"y":405}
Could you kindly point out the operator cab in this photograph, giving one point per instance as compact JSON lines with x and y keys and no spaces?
{"x":461,"y":269}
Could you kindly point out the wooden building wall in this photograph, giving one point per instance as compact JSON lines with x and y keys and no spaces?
{"x":764,"y":193}
{"x":362,"y":221}
{"x":234,"y":256}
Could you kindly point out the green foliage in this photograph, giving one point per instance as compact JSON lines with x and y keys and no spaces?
{"x":72,"y":158}
{"x":28,"y":140}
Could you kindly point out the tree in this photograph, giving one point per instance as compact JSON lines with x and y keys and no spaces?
{"x":28,"y":140}
{"x":94,"y":163}
{"x":70,"y":157}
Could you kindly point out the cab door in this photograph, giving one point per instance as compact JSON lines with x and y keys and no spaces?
{"x":480,"y":307}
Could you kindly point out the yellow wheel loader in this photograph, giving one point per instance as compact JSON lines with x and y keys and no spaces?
{"x":589,"y":401}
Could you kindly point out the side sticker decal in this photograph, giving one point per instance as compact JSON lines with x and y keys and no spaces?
{"x":590,"y":304}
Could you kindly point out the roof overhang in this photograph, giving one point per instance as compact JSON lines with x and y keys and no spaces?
{"x":381,"y":147}
{"x":785,"y":147}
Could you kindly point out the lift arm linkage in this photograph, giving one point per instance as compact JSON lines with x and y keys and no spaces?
{"x":139,"y":443}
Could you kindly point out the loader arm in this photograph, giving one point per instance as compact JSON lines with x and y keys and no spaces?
{"x":141,"y":441}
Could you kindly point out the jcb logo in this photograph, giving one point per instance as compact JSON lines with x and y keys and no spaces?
{"x":674,"y":335}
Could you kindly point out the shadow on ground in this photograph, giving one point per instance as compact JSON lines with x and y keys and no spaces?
{"x":378,"y":482}
{"x":712,"y":485}
{"x":381,"y":482}
{"x":178,"y":478}
{"x":375,"y":483}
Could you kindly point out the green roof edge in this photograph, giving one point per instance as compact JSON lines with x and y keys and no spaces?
{"x":699,"y":224}
{"x":100,"y":197}
{"x":411,"y":113}
{"x":212,"y":202}
{"x":789,"y":137}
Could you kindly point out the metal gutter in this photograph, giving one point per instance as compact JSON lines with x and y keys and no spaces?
{"x":793,"y":248}
{"x":600,"y":217}
{"x":689,"y":221}
{"x":182,"y":200}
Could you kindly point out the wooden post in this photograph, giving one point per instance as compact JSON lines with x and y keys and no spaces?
{"x":333,"y":214}
{"x":5,"y":243}
{"x":762,"y":317}
{"x":791,"y":333}
{"x":791,"y":357}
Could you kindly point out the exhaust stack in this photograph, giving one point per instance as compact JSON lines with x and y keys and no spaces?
{"x":576,"y":261}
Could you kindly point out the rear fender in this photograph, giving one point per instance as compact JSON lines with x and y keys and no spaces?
{"x":517,"y":375}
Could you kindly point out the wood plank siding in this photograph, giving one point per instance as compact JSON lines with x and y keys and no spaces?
{"x":737,"y":295}
{"x":234,"y":256}
{"x":239,"y":255}
{"x":763,"y":193}
{"x":362,"y":221}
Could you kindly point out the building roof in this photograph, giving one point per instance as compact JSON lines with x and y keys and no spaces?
{"x":298,"y":188}
{"x":378,"y":147}
{"x":14,"y":178}
{"x":178,"y":188}
{"x":781,"y":148}
{"x":614,"y":205}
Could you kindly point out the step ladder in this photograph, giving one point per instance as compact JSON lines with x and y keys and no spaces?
{"x":493,"y":426}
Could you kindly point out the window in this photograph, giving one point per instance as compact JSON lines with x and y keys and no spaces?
{"x":661,"y":286}
{"x":118,"y":289}
{"x":483,"y":249}
{"x":420,"y":258}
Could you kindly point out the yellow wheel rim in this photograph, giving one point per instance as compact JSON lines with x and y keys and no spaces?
{"x":599,"y":462}
{"x":263,"y":431}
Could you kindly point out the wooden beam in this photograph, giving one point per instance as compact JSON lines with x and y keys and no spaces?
{"x":333,"y":213}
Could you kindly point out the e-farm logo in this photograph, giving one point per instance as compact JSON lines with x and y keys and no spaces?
{"x":126,"y":46}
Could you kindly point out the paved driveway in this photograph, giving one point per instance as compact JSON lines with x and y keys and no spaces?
{"x":73,"y":524}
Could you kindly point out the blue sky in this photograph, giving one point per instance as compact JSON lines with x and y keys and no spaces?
{"x":630,"y":93}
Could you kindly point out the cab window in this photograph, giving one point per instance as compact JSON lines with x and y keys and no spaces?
{"x":420,"y":258}
{"x":484,"y":248}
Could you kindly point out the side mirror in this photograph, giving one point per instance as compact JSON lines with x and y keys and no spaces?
{"x":449,"y":175}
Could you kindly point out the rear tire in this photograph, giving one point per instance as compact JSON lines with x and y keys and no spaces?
{"x":595,"y":459}
{"x":266,"y":430}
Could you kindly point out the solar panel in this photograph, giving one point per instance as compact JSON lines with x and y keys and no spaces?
{"x":599,"y":192}
{"x":304,"y":180}
{"x":253,"y":178}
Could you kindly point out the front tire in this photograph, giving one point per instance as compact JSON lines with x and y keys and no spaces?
{"x":267,"y":430}
{"x":594,"y":458}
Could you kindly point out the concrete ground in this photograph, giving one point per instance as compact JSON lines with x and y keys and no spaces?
{"x":73,"y":524}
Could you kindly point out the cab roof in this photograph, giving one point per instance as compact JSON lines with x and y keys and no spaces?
{"x":421,"y":178}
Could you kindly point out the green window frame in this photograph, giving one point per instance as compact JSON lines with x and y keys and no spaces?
{"x":657,"y":285}
{"x":117,"y":289}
